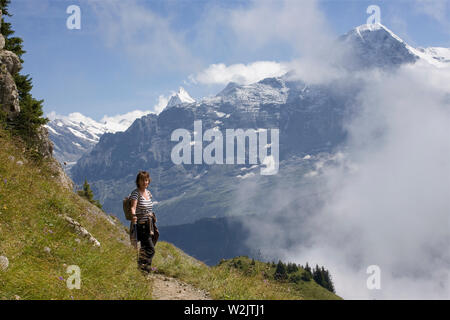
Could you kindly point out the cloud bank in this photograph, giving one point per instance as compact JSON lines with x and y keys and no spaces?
{"x":239,"y":73}
{"x":383,"y":199}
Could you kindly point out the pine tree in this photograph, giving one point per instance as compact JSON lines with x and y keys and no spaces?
{"x":328,"y":281}
{"x":280,"y":272}
{"x":291,"y":268}
{"x":13,"y":44}
{"x":88,"y":194}
{"x":317,"y":275}
{"x":308,"y":268}
{"x":87,"y":191}
{"x":323,"y":278}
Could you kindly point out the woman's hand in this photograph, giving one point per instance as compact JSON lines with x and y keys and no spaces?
{"x":134,"y":219}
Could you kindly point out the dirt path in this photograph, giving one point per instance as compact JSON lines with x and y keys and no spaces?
{"x":167,"y":288}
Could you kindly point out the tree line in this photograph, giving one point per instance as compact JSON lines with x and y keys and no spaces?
{"x":289,"y":272}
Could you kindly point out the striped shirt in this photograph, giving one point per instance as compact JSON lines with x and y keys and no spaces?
{"x":144,"y":207}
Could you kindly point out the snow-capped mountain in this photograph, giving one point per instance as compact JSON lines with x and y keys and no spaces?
{"x":309,"y":116}
{"x":181,"y":97}
{"x":436,"y":56}
{"x":269,"y":90}
{"x":76,"y":134}
{"x":374,"y":45}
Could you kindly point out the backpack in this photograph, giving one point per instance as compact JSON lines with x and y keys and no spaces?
{"x":126,"y":203}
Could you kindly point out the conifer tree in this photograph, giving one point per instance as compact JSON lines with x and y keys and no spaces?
{"x":317,"y":275}
{"x":280,"y":272}
{"x":88,"y":194}
{"x":308,"y":268}
{"x":291,"y":268}
{"x":87,"y":190}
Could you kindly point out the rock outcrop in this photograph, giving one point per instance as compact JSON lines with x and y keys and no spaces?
{"x":9,"y":66}
{"x":81,"y":230}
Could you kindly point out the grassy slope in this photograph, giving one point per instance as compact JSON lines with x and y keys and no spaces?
{"x":31,"y":205}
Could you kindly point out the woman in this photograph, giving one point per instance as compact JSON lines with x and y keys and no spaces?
{"x":142,"y":211}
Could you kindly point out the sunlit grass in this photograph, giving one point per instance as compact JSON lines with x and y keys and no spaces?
{"x":40,"y":246}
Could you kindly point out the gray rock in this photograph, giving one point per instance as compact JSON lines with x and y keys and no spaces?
{"x":81,"y":231}
{"x":2,"y":42}
{"x":11,"y":61}
{"x":62,"y":178}
{"x":9,"y":95}
{"x":4,"y":263}
{"x":45,"y":145}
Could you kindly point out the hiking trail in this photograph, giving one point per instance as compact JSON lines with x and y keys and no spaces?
{"x":167,"y":288}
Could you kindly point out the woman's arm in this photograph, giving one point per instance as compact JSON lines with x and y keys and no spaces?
{"x":133,"y":210}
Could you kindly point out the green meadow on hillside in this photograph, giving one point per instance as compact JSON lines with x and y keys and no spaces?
{"x":40,"y":245}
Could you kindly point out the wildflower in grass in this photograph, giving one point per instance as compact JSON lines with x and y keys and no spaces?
{"x":154,"y":269}
{"x":61,"y":278}
{"x":5,"y":180}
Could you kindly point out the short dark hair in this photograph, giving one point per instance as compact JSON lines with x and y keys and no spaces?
{"x":141,"y":176}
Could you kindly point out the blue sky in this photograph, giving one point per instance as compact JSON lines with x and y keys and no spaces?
{"x":133,"y":54}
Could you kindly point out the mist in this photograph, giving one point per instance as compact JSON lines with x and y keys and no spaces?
{"x":382,"y":198}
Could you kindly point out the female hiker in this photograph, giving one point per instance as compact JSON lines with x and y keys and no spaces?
{"x":142,"y":213}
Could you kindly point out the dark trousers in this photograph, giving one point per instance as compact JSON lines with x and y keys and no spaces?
{"x":147,"y":250}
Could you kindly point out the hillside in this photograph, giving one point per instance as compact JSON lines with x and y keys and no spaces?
{"x":39,"y":243}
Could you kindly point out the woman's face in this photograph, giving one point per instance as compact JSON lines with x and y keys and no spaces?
{"x":144,"y":183}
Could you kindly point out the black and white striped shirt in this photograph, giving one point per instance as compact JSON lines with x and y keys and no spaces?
{"x":144,"y":207}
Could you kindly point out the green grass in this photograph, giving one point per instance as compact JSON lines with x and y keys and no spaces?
{"x":234,"y":280}
{"x":32,"y":205}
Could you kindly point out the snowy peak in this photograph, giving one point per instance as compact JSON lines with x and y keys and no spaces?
{"x":439,"y":57}
{"x":267,"y":91}
{"x":93,"y":129}
{"x":374,"y":45}
{"x":363,"y":30}
{"x":76,"y":134}
{"x":182,"y":96}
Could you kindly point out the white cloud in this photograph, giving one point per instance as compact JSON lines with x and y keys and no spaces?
{"x":384,"y":201}
{"x":298,"y":23}
{"x":162,"y":103}
{"x":152,"y":40}
{"x":148,"y":38}
{"x":239,"y":73}
{"x":393,"y":211}
{"x":122,"y":122}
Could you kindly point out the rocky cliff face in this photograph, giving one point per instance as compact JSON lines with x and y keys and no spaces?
{"x":308,"y":117}
{"x":9,"y":66}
